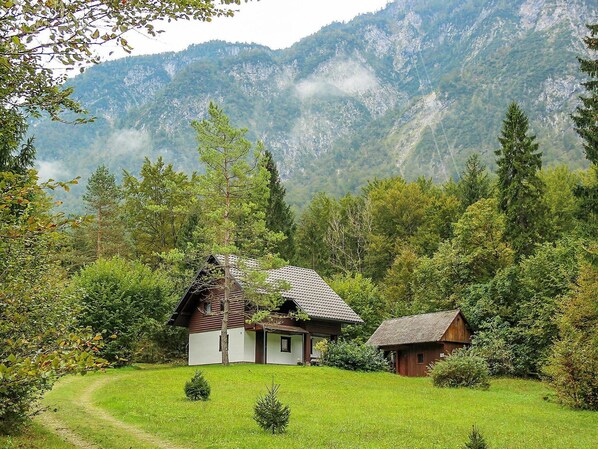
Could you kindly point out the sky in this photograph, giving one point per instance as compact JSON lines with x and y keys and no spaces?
{"x":274,"y":23}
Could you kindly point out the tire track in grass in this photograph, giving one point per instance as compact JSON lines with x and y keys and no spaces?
{"x":86,"y":401}
{"x":59,"y":429}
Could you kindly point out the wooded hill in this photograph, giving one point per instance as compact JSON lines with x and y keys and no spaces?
{"x":411,"y":90}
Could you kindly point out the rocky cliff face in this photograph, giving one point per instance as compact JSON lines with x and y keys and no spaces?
{"x":411,"y":90}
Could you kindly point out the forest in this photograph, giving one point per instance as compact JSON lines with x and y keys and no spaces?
{"x":515,"y":250}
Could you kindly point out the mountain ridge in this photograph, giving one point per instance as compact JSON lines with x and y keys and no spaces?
{"x":410,"y":90}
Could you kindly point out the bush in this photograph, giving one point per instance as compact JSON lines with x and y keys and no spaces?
{"x":476,"y":440}
{"x":122,"y":298}
{"x":354,"y":357}
{"x":270,"y":414}
{"x":573,"y":364}
{"x":198,"y":389}
{"x":460,"y":369}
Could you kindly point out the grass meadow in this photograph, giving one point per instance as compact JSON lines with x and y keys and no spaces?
{"x":145,"y":407}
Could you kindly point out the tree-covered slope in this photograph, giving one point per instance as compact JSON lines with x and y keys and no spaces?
{"x":411,"y":90}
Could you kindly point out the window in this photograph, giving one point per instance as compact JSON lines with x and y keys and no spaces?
{"x":207,"y":308}
{"x":220,"y":342}
{"x":222,"y":305}
{"x":285,"y":344}
{"x":420,"y":358}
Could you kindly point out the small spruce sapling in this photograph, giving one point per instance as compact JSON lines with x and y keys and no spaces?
{"x":476,"y":440}
{"x":198,"y":389}
{"x":271,"y":414}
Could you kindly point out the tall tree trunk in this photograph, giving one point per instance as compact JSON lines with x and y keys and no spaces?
{"x":227,"y":277}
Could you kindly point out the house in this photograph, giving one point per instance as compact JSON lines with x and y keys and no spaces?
{"x":280,"y":339}
{"x":416,"y":341}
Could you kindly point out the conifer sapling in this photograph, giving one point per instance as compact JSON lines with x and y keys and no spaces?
{"x":271,"y":414}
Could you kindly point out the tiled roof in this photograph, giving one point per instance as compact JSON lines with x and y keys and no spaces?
{"x":308,"y":290}
{"x":424,"y":328}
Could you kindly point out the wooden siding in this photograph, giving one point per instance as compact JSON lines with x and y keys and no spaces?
{"x":457,"y":332}
{"x":322,"y":328}
{"x":406,"y":360}
{"x":204,"y":322}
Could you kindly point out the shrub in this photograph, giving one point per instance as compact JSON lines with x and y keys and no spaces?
{"x":460,"y":369}
{"x":270,"y":414}
{"x":122,"y":298}
{"x":476,"y":440}
{"x":198,"y":389}
{"x":573,"y":364}
{"x":354,"y":357}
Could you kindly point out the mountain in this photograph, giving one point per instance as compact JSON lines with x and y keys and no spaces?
{"x":411,"y":90}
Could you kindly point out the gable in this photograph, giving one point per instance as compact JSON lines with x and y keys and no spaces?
{"x":422,"y":328}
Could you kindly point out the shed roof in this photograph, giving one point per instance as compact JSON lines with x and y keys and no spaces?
{"x":423,"y":328}
{"x":307,"y":290}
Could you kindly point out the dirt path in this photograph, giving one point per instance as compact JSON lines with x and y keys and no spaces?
{"x":85,"y":401}
{"x":54,"y":425}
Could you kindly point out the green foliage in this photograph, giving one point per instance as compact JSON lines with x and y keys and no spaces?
{"x":354,"y":356}
{"x":520,"y":190}
{"x":279,"y":216}
{"x":585,"y":115}
{"x":106,"y":233}
{"x":493,"y":342}
{"x":40,"y":340}
{"x":157,"y":206}
{"x":198,"y":388}
{"x":573,"y":363}
{"x":234,"y":193}
{"x":270,"y":413}
{"x":68,"y":32}
{"x":124,"y":299}
{"x":460,"y":369}
{"x":474,"y":184}
{"x":476,"y":440}
{"x":362,"y":295}
{"x":562,"y":204}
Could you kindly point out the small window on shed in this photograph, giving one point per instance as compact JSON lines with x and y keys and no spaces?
{"x":285,"y":344}
{"x":207,"y":308}
{"x":420,"y":358}
{"x":222,"y":305}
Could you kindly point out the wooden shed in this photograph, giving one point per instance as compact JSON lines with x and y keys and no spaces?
{"x":415,"y":341}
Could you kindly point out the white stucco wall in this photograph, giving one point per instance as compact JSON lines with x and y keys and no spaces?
{"x":203,"y":347}
{"x":274,"y":355}
{"x":314,"y":352}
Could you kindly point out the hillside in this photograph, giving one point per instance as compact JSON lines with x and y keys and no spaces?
{"x":360,"y":410}
{"x":410,"y":90}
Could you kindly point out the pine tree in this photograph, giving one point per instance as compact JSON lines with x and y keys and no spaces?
{"x":279,"y":216}
{"x":271,"y":414}
{"x":234,"y":189}
{"x":520,"y":190}
{"x":476,"y":440}
{"x":474,"y":184}
{"x":102,"y":197}
{"x":586,"y":116}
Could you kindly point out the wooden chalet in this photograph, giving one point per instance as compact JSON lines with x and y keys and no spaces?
{"x":279,"y":340}
{"x":416,"y":341}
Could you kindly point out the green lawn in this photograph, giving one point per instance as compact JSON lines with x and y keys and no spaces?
{"x":330,"y":408}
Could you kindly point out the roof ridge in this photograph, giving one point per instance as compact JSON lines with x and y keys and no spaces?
{"x":422,"y":314}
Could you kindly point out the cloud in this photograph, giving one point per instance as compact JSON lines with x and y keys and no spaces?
{"x":338,"y":78}
{"x":51,"y":170}
{"x":128,"y":141}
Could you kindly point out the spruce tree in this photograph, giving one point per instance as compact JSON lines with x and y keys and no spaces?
{"x":586,"y":116}
{"x":474,"y":184}
{"x":279,"y":216}
{"x":102,"y":197}
{"x":271,"y":414}
{"x":476,"y":440}
{"x":520,"y":190}
{"x":586,"y":125}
